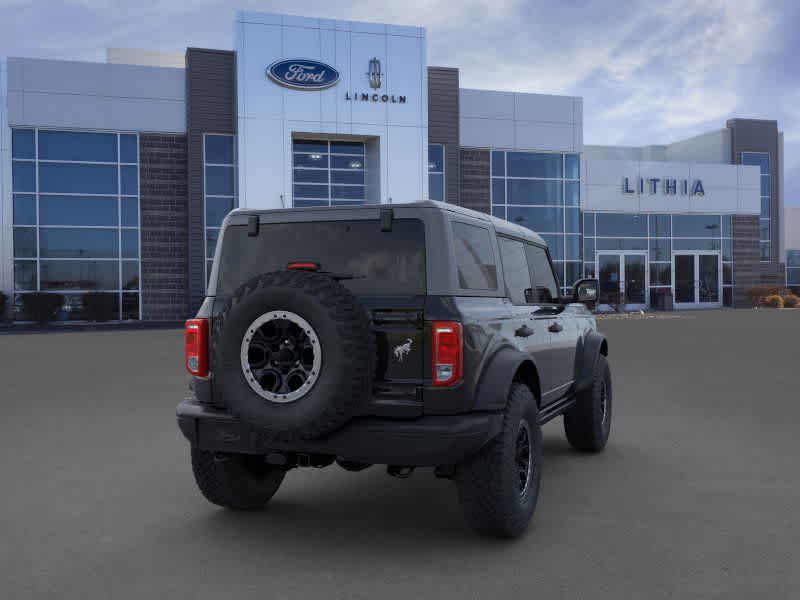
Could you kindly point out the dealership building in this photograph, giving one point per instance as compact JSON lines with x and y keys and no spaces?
{"x":115,"y":176}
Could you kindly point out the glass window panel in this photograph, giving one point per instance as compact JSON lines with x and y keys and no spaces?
{"x":588,"y":249}
{"x":311,"y":175}
{"x":696,"y":225}
{"x":765,"y":185}
{"x":25,"y":242}
{"x":358,"y":178}
{"x":130,"y":274}
{"x":219,"y":181}
{"x":25,"y":275}
{"x":211,"y":242}
{"x":765,"y":208}
{"x":498,"y":163}
{"x":588,"y":224}
{"x":588,"y":270}
{"x":763,"y":229}
{"x":435,"y":186}
{"x":555,"y":243}
{"x":346,"y":162}
{"x":79,"y":275}
{"x":573,"y":166}
{"x":56,"y":242}
{"x":130,"y":307}
{"x":515,"y":269}
{"x":348,"y":192}
{"x":77,"y":145}
{"x":621,"y":244}
{"x":547,"y":219}
{"x":304,"y":203}
{"x":793,"y":277}
{"x":572,"y":273}
{"x":23,"y":176}
{"x":660,"y":274}
{"x":660,"y":249}
{"x":727,"y":296}
{"x":765,"y":251}
{"x":727,"y":226}
{"x":130,"y":212}
{"x":695,"y":244}
{"x":660,"y":226}
{"x":498,"y":191}
{"x":759,"y":159}
{"x":347,"y":148}
{"x":24,"y":209}
{"x":475,"y":260}
{"x":310,"y":146}
{"x":793,"y":258}
{"x":545,"y":285}
{"x":219,"y":149}
{"x":572,"y":191}
{"x":128,"y":148}
{"x":572,"y":247}
{"x":77,"y":179}
{"x":572,"y":220}
{"x":77,"y":210}
{"x":531,"y":164}
{"x":624,"y":225}
{"x":314,"y":161}
{"x":499,"y":212}
{"x":526,"y":191}
{"x":130,"y":243}
{"x":435,"y":158}
{"x":727,"y":273}
{"x":23,"y":143}
{"x":129,"y":180}
{"x":216,"y":210}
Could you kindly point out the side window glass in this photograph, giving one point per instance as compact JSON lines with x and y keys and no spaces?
{"x":515,"y":270}
{"x":545,"y":287}
{"x":477,"y":269}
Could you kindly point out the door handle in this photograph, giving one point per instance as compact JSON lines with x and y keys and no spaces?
{"x":555,"y":327}
{"x":523,"y":331}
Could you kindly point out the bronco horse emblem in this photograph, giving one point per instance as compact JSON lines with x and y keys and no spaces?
{"x":402,"y":350}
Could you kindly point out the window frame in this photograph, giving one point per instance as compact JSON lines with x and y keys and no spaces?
{"x":443,"y":172}
{"x":208,"y":261}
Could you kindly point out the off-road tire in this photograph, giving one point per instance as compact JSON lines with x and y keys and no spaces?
{"x":237,"y":481}
{"x":347,"y":345}
{"x":488,"y":483}
{"x":587,"y":424}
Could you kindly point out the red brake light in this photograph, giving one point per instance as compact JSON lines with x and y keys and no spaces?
{"x":195,"y":335}
{"x":303,"y":266}
{"x":448,"y":355}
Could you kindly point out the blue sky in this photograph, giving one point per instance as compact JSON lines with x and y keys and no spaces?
{"x":649,"y":72}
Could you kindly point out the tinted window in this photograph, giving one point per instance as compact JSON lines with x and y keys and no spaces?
{"x":219,"y":149}
{"x":77,"y":179}
{"x":389,"y":262}
{"x":573,"y":162}
{"x":529,"y":164}
{"x":24,"y":274}
{"x":623,"y":225}
{"x":539,"y":219}
{"x":24,"y":242}
{"x":588,"y":224}
{"x":77,"y":210}
{"x":545,"y":288}
{"x":129,"y":183}
{"x":80,"y":275}
{"x":22,"y":143}
{"x":130,"y":212}
{"x":216,"y":209}
{"x":474,"y":257}
{"x":128,"y":151}
{"x":23,"y":176}
{"x":219,"y":181}
{"x":78,"y":243}
{"x":73,"y":145}
{"x":696,"y":225}
{"x":515,"y":269}
{"x":24,"y":209}
{"x":498,"y":191}
{"x":498,"y":163}
{"x":660,"y":226}
{"x":532,"y":191}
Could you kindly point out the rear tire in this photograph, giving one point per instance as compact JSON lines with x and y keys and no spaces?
{"x":588,"y":423}
{"x":497,"y":493}
{"x":237,"y":481}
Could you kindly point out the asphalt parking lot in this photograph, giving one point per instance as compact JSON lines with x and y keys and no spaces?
{"x":696,"y":496}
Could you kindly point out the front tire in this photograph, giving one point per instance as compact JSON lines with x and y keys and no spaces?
{"x":588,"y":423}
{"x":237,"y":481}
{"x":498,"y":488}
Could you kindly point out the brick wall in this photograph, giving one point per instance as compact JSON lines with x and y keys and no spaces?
{"x":443,"y":125}
{"x":165,"y":232}
{"x":475,"y":180}
{"x":748,"y":271}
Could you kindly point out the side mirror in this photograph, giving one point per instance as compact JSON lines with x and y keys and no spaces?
{"x":586,"y":291}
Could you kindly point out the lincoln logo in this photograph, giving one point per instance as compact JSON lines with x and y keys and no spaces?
{"x":669,"y":187}
{"x":374,"y":73}
{"x":301,"y":74}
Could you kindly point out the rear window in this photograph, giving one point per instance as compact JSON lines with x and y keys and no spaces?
{"x":380,"y":262}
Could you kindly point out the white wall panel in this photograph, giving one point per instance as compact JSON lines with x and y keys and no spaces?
{"x":539,"y":135}
{"x":486,"y":133}
{"x":486,"y":104}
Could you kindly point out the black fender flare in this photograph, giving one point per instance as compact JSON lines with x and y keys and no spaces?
{"x":498,"y":374}
{"x":594,"y":344}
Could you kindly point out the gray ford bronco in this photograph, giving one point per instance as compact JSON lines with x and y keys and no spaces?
{"x":411,"y":335}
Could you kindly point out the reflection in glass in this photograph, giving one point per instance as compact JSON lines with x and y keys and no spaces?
{"x":216,"y":210}
{"x":219,"y":150}
{"x":621,"y":225}
{"x":25,"y":242}
{"x":25,"y":275}
{"x":77,"y":146}
{"x":66,"y":178}
{"x":23,"y":143}
{"x":24,"y":209}
{"x":531,"y":164}
{"x":56,"y":242}
{"x":77,"y":210}
{"x":531,"y":191}
{"x":79,"y":275}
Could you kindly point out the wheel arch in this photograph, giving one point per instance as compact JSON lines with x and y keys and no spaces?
{"x":593,"y":346}
{"x":507,"y":366}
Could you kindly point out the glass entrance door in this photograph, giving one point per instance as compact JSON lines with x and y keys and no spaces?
{"x":697,"y":279}
{"x":623,"y":279}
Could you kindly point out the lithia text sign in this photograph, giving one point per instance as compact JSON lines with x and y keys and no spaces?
{"x":669,"y":187}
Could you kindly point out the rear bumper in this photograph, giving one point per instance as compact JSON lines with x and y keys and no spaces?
{"x":425,"y":441}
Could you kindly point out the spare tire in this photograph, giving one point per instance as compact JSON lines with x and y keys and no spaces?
{"x":293,"y":354}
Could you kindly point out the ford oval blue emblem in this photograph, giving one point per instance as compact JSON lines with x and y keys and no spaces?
{"x":303,"y":74}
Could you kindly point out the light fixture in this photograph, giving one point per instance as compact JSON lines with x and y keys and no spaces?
{"x":316,"y":156}
{"x":355,"y":164}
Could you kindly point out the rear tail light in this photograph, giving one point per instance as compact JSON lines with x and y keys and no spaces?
{"x":448,"y":355}
{"x":302,"y":266}
{"x":195,"y":336}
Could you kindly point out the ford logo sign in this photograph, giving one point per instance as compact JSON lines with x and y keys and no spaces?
{"x":303,"y":74}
